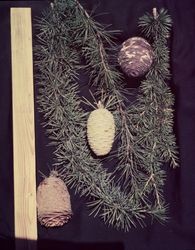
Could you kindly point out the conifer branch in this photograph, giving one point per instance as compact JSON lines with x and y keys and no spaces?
{"x":67,"y":33}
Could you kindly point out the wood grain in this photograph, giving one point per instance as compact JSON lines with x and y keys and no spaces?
{"x":23,"y":127}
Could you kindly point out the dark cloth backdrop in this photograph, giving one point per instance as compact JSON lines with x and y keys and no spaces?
{"x":83,"y":231}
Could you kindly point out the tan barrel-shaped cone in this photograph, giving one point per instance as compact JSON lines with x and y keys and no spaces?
{"x":101,"y":131}
{"x":53,"y":202}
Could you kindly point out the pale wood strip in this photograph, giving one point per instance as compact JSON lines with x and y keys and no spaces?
{"x":23,"y":126}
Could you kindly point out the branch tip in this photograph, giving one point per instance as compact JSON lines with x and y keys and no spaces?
{"x":155,"y":13}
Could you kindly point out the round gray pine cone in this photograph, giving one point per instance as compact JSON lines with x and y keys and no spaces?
{"x":53,"y":202}
{"x":136,"y":56}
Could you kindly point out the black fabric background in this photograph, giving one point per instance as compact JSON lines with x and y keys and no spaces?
{"x":85,"y":232}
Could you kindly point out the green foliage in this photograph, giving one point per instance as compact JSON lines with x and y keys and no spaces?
{"x":67,"y":36}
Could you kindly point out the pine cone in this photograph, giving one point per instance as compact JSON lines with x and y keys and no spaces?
{"x":136,"y":56}
{"x":53,"y":202}
{"x":101,"y":131}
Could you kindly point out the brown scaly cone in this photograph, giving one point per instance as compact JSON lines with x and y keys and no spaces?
{"x":136,"y":56}
{"x":53,"y":202}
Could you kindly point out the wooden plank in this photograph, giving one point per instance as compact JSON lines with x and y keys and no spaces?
{"x":23,"y":128}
